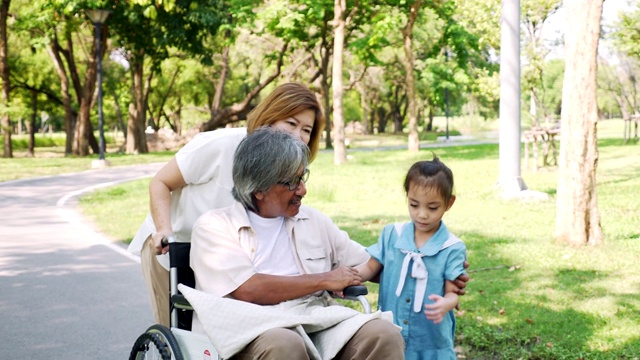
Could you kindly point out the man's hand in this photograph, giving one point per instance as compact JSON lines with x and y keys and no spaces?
{"x":341,"y":277}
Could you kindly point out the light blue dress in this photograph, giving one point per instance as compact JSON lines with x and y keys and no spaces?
{"x":443,"y":256}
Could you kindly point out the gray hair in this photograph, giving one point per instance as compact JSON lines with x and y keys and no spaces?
{"x":265,"y":157}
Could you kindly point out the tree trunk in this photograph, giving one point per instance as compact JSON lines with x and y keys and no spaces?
{"x":163,"y":101}
{"x":136,"y":142}
{"x":367,"y":116}
{"x":533,"y":110}
{"x":119,"y":114}
{"x":430,"y":121}
{"x":577,"y":215}
{"x":5,"y":120}
{"x":324,"y":88}
{"x":177,"y":117}
{"x":84,"y":137}
{"x":407,"y":37}
{"x":69,"y":124}
{"x":83,"y":129}
{"x":339,"y":149}
{"x":382,"y":114}
{"x":31,"y":123}
{"x":397,"y":115}
{"x":216,"y":104}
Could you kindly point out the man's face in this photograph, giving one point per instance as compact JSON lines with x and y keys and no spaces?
{"x":279,"y":200}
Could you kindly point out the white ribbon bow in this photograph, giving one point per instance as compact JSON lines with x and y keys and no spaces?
{"x":418,"y":272}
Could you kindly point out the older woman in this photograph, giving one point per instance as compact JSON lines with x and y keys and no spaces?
{"x":269,"y":249}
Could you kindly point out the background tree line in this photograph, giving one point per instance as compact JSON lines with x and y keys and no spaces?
{"x":203,"y":64}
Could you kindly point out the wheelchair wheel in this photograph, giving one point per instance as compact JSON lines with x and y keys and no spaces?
{"x":149,"y":346}
{"x":168,"y":339}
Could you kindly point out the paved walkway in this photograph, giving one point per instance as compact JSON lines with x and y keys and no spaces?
{"x":66,"y":292}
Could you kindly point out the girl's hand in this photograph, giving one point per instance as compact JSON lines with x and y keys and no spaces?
{"x":436,"y":311}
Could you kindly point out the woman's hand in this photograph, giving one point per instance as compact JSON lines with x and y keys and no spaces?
{"x":461,"y":281}
{"x":157,"y":243}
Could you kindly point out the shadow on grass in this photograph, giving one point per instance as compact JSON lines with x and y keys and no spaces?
{"x":577,"y":281}
{"x":501,"y":321}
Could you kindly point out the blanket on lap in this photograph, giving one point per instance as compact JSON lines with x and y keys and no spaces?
{"x":324,"y":325}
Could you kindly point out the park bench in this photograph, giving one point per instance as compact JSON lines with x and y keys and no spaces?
{"x":541,"y":138}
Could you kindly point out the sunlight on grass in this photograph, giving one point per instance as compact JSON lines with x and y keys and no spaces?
{"x":118,"y":209}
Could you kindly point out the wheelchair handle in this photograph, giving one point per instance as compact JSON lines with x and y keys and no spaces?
{"x":354,"y":291}
{"x":167,"y":239}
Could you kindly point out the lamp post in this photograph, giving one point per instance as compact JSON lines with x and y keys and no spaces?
{"x":446,"y":112}
{"x":98,"y":17}
{"x":446,"y":99}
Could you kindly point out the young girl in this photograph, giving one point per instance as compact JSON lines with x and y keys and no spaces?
{"x":419,"y":259}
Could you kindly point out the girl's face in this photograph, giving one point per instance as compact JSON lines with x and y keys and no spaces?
{"x":426,"y":208}
{"x":300,"y":124}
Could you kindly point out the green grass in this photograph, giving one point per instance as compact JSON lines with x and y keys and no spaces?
{"x":49,"y":158}
{"x":528,"y":297}
{"x":21,"y":167}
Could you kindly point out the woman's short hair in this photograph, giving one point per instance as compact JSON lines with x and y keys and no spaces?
{"x":265,"y":157}
{"x":285,"y":101}
{"x":429,"y":174}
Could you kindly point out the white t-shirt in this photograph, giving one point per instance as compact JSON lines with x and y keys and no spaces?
{"x":206,"y":165}
{"x":274,"y":254}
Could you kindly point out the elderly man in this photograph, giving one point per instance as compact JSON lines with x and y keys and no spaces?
{"x":270,"y":250}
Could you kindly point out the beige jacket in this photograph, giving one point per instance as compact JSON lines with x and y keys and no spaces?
{"x":223,"y":246}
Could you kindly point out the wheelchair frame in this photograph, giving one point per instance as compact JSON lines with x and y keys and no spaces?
{"x":179,"y":342}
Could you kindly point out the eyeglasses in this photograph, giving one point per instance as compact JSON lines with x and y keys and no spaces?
{"x":295,"y":183}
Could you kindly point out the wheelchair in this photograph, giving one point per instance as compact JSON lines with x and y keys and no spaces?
{"x":179,"y":342}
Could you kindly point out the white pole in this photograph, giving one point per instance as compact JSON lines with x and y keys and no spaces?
{"x":509,"y":180}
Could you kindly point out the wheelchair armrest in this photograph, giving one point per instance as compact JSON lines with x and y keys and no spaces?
{"x":354,"y":291}
{"x":180,"y":302}
{"x":357,"y":293}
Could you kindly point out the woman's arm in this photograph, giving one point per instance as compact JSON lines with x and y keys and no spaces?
{"x":168,"y":179}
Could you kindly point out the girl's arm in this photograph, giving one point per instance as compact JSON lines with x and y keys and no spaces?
{"x":369,"y":269}
{"x":442,"y":304}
